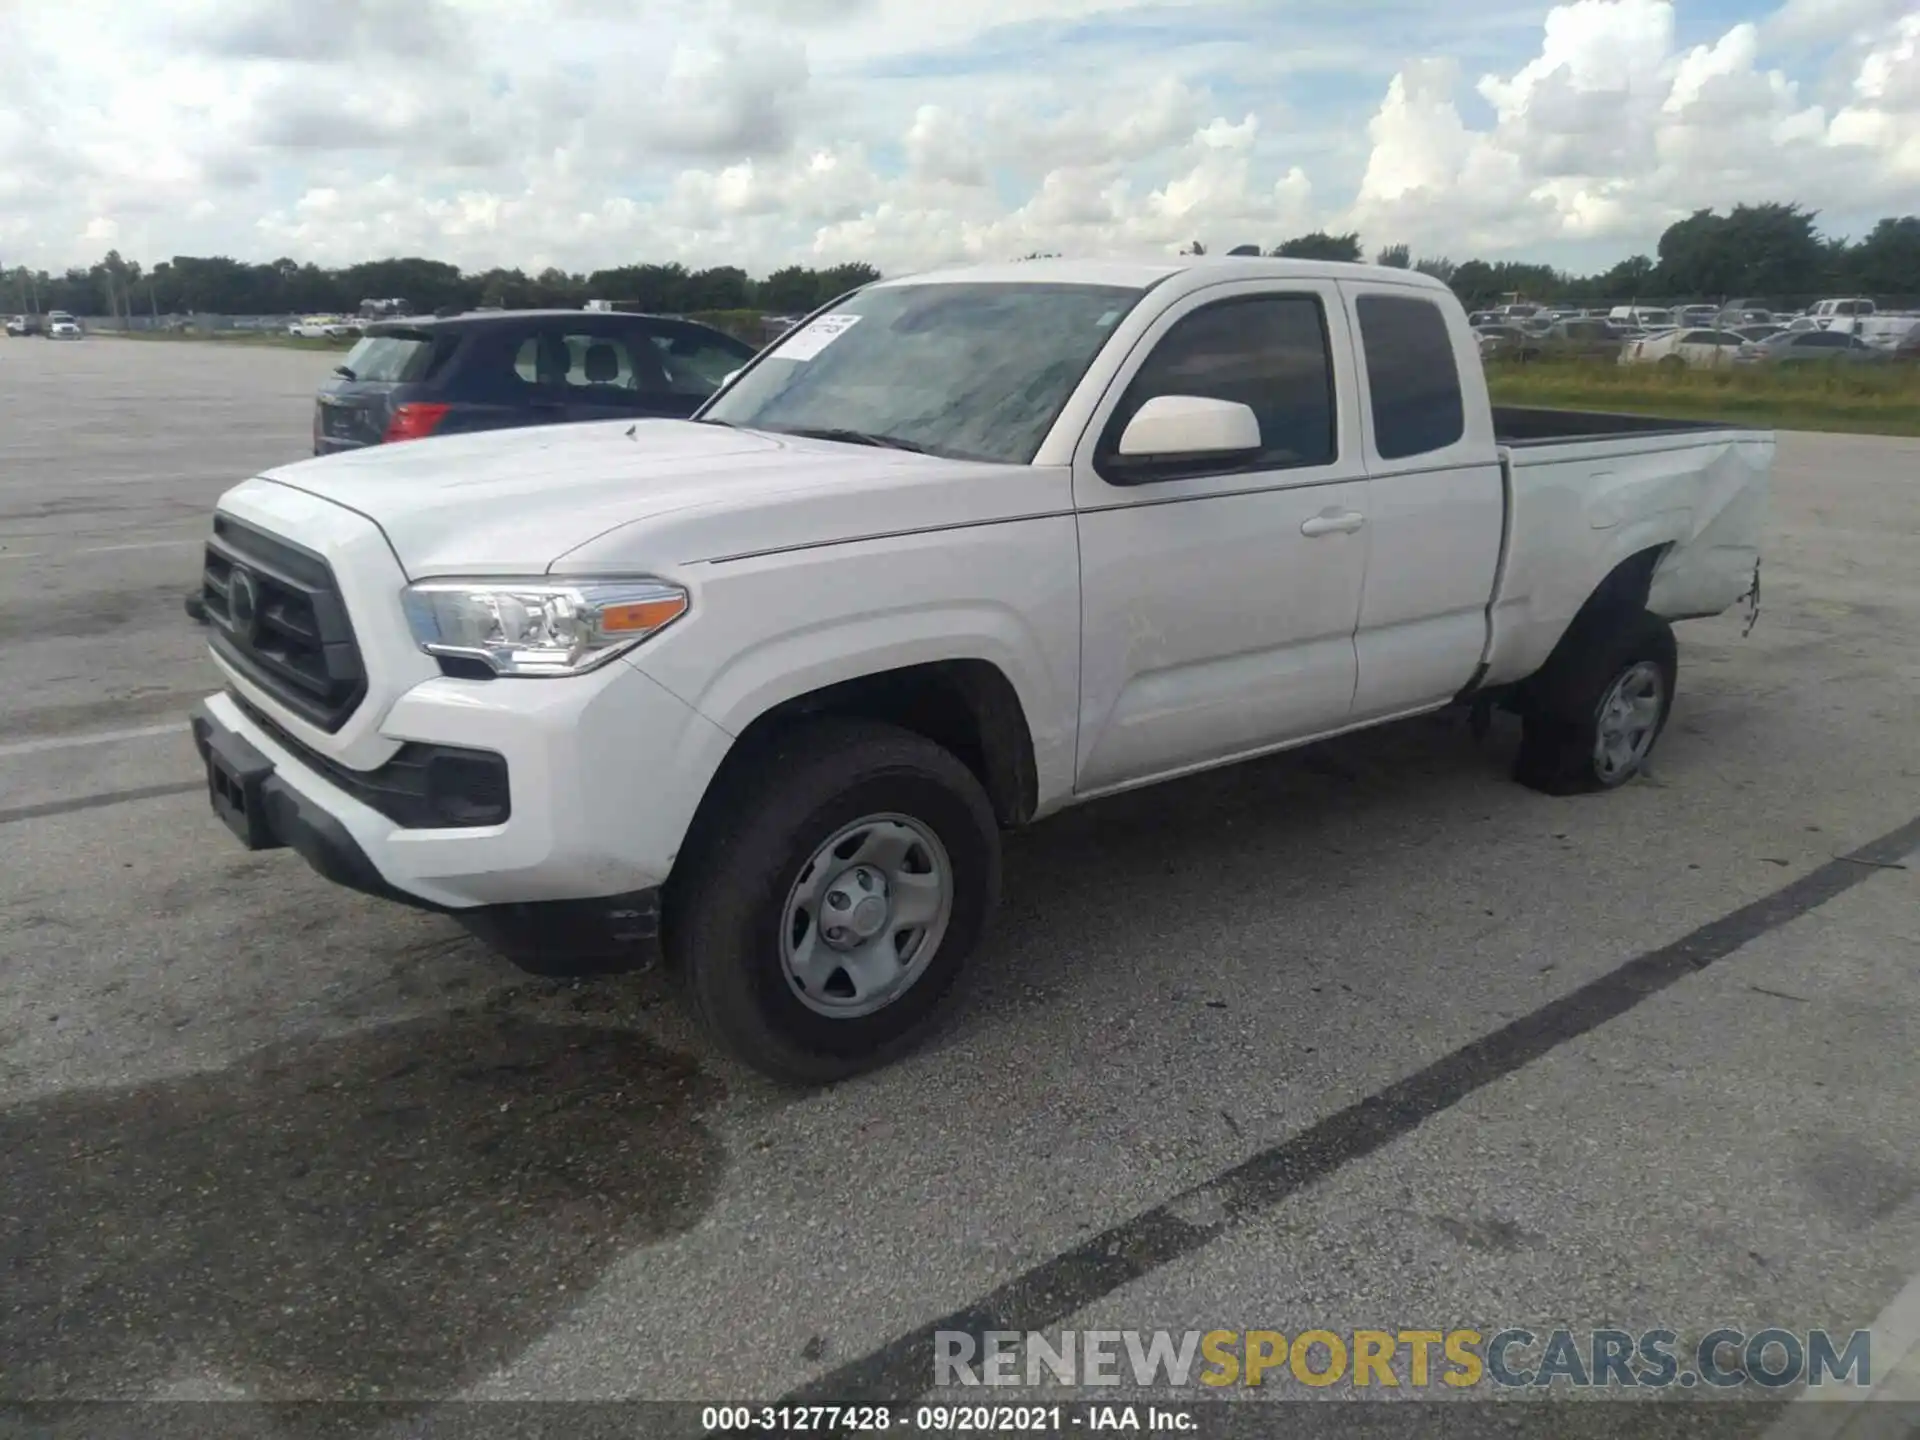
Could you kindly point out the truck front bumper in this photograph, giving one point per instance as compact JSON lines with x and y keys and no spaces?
{"x":574,"y":870}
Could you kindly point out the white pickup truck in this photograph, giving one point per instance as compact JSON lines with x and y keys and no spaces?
{"x":963,"y":550}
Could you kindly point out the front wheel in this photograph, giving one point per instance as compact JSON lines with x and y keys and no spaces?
{"x":1591,"y":719}
{"x":823,"y":920}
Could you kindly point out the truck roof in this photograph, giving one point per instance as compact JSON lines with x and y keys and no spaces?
{"x":1143,"y":274}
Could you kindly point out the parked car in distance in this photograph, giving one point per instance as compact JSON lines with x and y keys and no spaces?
{"x":1842,"y":315}
{"x":1885,"y":331}
{"x":1580,"y":340}
{"x":408,"y":379}
{"x":1505,"y":342}
{"x":324,"y":327}
{"x":1697,"y":316}
{"x":1801,"y":347}
{"x":967,"y":549}
{"x":1758,"y":332}
{"x":19,"y":326}
{"x":1692,"y":349}
{"x":62,"y":326}
{"x":1649,"y":316}
{"x":1556,"y":340}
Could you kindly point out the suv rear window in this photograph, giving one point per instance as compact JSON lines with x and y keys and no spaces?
{"x":1411,"y":375}
{"x":395,"y":358}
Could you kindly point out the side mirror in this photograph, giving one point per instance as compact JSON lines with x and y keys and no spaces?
{"x":1190,"y":427}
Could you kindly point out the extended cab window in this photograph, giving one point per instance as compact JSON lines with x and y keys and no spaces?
{"x":1269,"y":353}
{"x":1411,"y":375}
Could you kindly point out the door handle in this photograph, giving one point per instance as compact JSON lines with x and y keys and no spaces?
{"x":1344,"y":523}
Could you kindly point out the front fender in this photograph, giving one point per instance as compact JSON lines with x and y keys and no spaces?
{"x":771,"y":629}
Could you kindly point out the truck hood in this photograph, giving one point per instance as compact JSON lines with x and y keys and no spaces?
{"x":568,"y":498}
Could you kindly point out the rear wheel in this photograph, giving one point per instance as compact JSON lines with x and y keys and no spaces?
{"x":1592,"y":717}
{"x":821,"y":924}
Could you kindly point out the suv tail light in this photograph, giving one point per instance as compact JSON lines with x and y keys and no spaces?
{"x":414,"y":421}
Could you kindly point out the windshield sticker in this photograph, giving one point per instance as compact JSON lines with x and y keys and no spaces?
{"x":1107,"y":319}
{"x":816,"y":337}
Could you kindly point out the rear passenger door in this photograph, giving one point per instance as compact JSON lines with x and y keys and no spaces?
{"x":1219,"y":598}
{"x":1436,"y":502}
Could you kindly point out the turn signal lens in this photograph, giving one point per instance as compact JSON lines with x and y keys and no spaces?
{"x":641,"y":616}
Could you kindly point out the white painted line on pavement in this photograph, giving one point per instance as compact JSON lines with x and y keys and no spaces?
{"x":104,"y":737}
{"x":139,"y":545}
{"x":103,"y":549}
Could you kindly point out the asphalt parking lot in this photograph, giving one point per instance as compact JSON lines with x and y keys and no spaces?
{"x":1361,"y":1036}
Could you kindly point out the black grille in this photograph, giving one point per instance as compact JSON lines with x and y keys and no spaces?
{"x":422,"y":787}
{"x":276,"y":617}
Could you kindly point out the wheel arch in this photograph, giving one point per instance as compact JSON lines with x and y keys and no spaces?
{"x":1620,"y":596}
{"x":967,"y":706}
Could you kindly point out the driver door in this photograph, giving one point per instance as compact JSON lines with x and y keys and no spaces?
{"x":1219,"y":601}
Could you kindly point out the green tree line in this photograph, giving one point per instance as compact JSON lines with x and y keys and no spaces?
{"x":218,"y":285}
{"x":1772,"y":253}
{"x":1766,"y":252}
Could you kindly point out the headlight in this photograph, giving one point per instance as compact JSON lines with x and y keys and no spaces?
{"x":539,"y":627}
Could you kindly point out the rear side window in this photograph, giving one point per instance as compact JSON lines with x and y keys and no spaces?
{"x":579,"y":361}
{"x":694,"y":361}
{"x":1411,"y":375}
{"x":1269,"y":353}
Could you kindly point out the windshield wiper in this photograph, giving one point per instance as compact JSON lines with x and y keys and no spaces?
{"x":859,"y":437}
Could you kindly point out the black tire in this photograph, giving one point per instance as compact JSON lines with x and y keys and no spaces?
{"x":772,"y":812}
{"x":1561,"y":715}
{"x":196,"y":606}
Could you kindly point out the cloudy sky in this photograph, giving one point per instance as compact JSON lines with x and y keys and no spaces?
{"x":586,"y":133}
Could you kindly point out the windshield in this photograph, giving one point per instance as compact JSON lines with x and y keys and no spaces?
{"x":971,"y":371}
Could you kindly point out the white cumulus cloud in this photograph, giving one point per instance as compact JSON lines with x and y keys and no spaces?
{"x":589,"y":133}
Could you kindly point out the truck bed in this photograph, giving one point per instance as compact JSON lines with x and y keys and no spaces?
{"x":1521,"y":425}
{"x":1588,"y":491}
